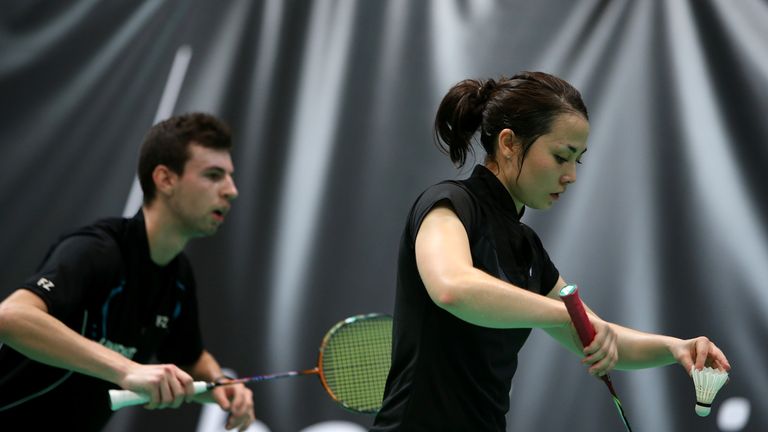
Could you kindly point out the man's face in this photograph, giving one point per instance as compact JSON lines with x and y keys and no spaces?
{"x":202,"y":194}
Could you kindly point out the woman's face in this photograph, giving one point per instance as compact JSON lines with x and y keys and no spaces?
{"x":550,"y":165}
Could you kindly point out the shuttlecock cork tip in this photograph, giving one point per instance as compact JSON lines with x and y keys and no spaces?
{"x":703,"y":409}
{"x":708,"y":382}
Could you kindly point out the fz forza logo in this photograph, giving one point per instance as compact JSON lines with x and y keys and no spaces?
{"x":161,"y":321}
{"x":45,"y":284}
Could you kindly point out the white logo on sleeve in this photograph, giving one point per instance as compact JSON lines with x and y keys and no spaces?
{"x":45,"y":284}
{"x":161,"y":321}
{"x":127,"y":352}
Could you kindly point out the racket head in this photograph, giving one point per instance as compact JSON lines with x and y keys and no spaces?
{"x":354,"y":360}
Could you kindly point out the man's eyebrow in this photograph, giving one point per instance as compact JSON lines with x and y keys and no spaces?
{"x":217,"y":169}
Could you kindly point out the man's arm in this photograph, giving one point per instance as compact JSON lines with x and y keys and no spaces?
{"x":27,"y":327}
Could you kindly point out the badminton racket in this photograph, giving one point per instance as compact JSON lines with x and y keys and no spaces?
{"x":570,"y":296}
{"x":353,"y":363}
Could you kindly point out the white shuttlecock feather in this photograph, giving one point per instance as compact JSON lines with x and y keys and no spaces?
{"x":708,"y":382}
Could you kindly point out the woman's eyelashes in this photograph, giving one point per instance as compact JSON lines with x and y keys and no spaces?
{"x":561,"y":160}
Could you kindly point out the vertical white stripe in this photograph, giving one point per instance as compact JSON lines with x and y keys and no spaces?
{"x":164,"y":110}
{"x":173,"y":84}
{"x":728,"y":210}
{"x":321,"y":85}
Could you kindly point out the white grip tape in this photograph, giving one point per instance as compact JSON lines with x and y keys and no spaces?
{"x":123,"y":398}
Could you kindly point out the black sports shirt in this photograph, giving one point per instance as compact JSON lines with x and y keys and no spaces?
{"x":447,"y":374}
{"x":101,"y":282}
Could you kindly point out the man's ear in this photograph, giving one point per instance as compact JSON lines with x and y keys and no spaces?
{"x":165,"y":179}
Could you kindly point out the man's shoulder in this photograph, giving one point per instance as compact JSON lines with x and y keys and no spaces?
{"x":102,"y":238}
{"x":114,"y":227}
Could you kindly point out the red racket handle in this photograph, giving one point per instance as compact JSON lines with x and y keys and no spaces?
{"x":570,"y":296}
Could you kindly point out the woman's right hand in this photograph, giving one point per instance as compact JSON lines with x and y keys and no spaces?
{"x":602,"y":354}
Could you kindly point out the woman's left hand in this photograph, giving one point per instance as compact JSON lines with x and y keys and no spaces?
{"x":699,"y":352}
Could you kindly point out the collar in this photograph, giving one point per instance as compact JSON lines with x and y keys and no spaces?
{"x":140,"y":239}
{"x":492,"y":189}
{"x":139,"y":227}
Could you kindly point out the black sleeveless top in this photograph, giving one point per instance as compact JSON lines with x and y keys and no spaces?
{"x":448,"y":374}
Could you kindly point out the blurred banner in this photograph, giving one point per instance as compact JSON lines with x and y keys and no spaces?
{"x":332,"y":104}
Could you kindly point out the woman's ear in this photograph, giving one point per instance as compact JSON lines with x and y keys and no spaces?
{"x":507,"y":144}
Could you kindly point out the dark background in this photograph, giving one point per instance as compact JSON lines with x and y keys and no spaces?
{"x":332,"y":103}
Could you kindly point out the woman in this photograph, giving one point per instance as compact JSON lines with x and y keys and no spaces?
{"x":473,"y":280}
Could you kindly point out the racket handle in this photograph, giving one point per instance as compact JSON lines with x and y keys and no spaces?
{"x":584,"y":328}
{"x":123,"y":398}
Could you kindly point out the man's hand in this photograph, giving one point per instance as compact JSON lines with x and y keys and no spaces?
{"x":166,"y":384}
{"x":235,"y":399}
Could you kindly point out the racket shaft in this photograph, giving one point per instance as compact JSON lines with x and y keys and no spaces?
{"x":123,"y":398}
{"x":623,"y":416}
{"x":268,"y":377}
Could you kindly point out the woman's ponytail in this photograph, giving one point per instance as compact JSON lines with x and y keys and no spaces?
{"x":460,"y":115}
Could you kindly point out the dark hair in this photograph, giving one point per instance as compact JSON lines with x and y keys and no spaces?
{"x":167,"y":143}
{"x":527,"y":104}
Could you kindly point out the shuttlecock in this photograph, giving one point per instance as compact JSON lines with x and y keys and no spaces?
{"x":708,"y":382}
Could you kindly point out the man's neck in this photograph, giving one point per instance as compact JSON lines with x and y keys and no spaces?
{"x":165,"y":240}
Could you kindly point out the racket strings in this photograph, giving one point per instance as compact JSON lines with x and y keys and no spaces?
{"x":355,"y":362}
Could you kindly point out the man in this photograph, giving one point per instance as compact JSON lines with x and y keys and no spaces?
{"x":118,"y":294}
